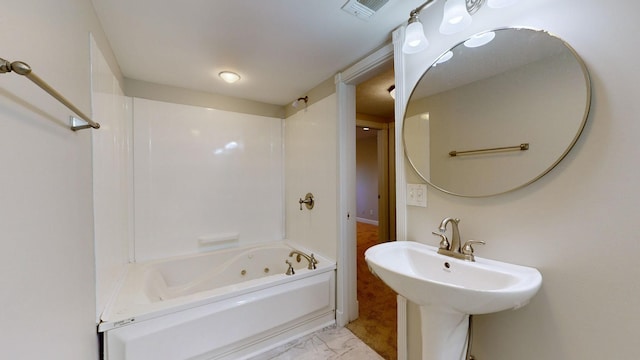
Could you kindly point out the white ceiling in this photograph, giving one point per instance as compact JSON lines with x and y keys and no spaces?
{"x":280,"y":48}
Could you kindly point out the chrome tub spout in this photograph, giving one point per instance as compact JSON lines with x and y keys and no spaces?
{"x":311,"y":259}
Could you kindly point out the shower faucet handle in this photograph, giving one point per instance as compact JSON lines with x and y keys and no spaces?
{"x":308,"y":201}
{"x":312,"y":262}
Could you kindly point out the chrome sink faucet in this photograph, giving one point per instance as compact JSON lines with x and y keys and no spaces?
{"x":455,"y":233}
{"x":453,"y":248}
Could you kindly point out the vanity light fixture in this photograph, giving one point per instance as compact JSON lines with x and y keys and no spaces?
{"x":229,"y":76}
{"x":456,"y":17}
{"x":414,"y":39}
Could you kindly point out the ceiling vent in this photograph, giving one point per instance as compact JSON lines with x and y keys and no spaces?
{"x":363,"y":9}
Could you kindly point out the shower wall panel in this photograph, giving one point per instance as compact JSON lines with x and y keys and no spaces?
{"x":111,"y":176}
{"x":204,"y":178}
{"x":311,"y":166}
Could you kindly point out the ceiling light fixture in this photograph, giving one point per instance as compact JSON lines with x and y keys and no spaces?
{"x":456,"y":18}
{"x":392,"y":91}
{"x":229,"y":76}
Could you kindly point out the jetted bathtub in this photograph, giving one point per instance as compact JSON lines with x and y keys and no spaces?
{"x":227,"y":304}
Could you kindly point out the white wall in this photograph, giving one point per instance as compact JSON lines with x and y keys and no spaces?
{"x":578,"y":224}
{"x":311,"y":166}
{"x":204,"y":174}
{"x":47,"y":266}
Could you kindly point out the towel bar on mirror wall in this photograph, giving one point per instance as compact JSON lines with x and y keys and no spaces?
{"x":24,"y":69}
{"x":521,"y":147}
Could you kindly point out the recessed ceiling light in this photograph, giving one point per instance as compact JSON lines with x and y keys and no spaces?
{"x":229,"y":76}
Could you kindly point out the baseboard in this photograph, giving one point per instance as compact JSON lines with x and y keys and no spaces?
{"x":367,"y":221}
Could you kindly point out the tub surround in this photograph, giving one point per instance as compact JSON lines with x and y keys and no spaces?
{"x":202,"y":174}
{"x":310,"y":166}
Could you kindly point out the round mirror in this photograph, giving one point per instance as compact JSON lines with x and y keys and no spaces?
{"x":496,"y":112}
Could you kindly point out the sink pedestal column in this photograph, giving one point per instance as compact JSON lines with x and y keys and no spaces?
{"x":444,"y":334}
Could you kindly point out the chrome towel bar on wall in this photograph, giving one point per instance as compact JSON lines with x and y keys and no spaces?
{"x":24,"y":69}
{"x":521,"y":147}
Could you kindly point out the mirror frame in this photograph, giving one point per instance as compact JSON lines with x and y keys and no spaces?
{"x":585,"y":116}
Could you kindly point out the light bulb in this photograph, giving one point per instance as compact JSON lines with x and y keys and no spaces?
{"x":229,"y":76}
{"x":414,"y":39}
{"x":456,"y":17}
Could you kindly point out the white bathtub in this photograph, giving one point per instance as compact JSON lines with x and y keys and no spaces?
{"x":227,"y":304}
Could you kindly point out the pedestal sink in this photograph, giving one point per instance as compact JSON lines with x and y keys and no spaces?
{"x":448,"y":290}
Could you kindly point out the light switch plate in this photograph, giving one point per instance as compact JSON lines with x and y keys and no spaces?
{"x":417,"y":195}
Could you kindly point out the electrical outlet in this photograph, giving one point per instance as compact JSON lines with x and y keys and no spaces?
{"x":417,"y":195}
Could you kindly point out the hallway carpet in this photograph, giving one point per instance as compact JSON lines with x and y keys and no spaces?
{"x":376,"y":324}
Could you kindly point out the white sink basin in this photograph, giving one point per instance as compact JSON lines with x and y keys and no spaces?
{"x":417,"y":272}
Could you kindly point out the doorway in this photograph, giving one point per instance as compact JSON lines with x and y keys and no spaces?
{"x":377,"y":319}
{"x":376,"y":323}
{"x":346,"y":82}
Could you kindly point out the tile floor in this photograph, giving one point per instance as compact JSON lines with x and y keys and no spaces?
{"x":328,"y":344}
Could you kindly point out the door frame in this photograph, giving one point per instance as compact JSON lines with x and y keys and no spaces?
{"x":346,"y":294}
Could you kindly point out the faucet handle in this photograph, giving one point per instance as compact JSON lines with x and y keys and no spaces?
{"x":467,"y":249}
{"x":290,"y":270}
{"x":444,"y":242}
{"x":312,"y":262}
